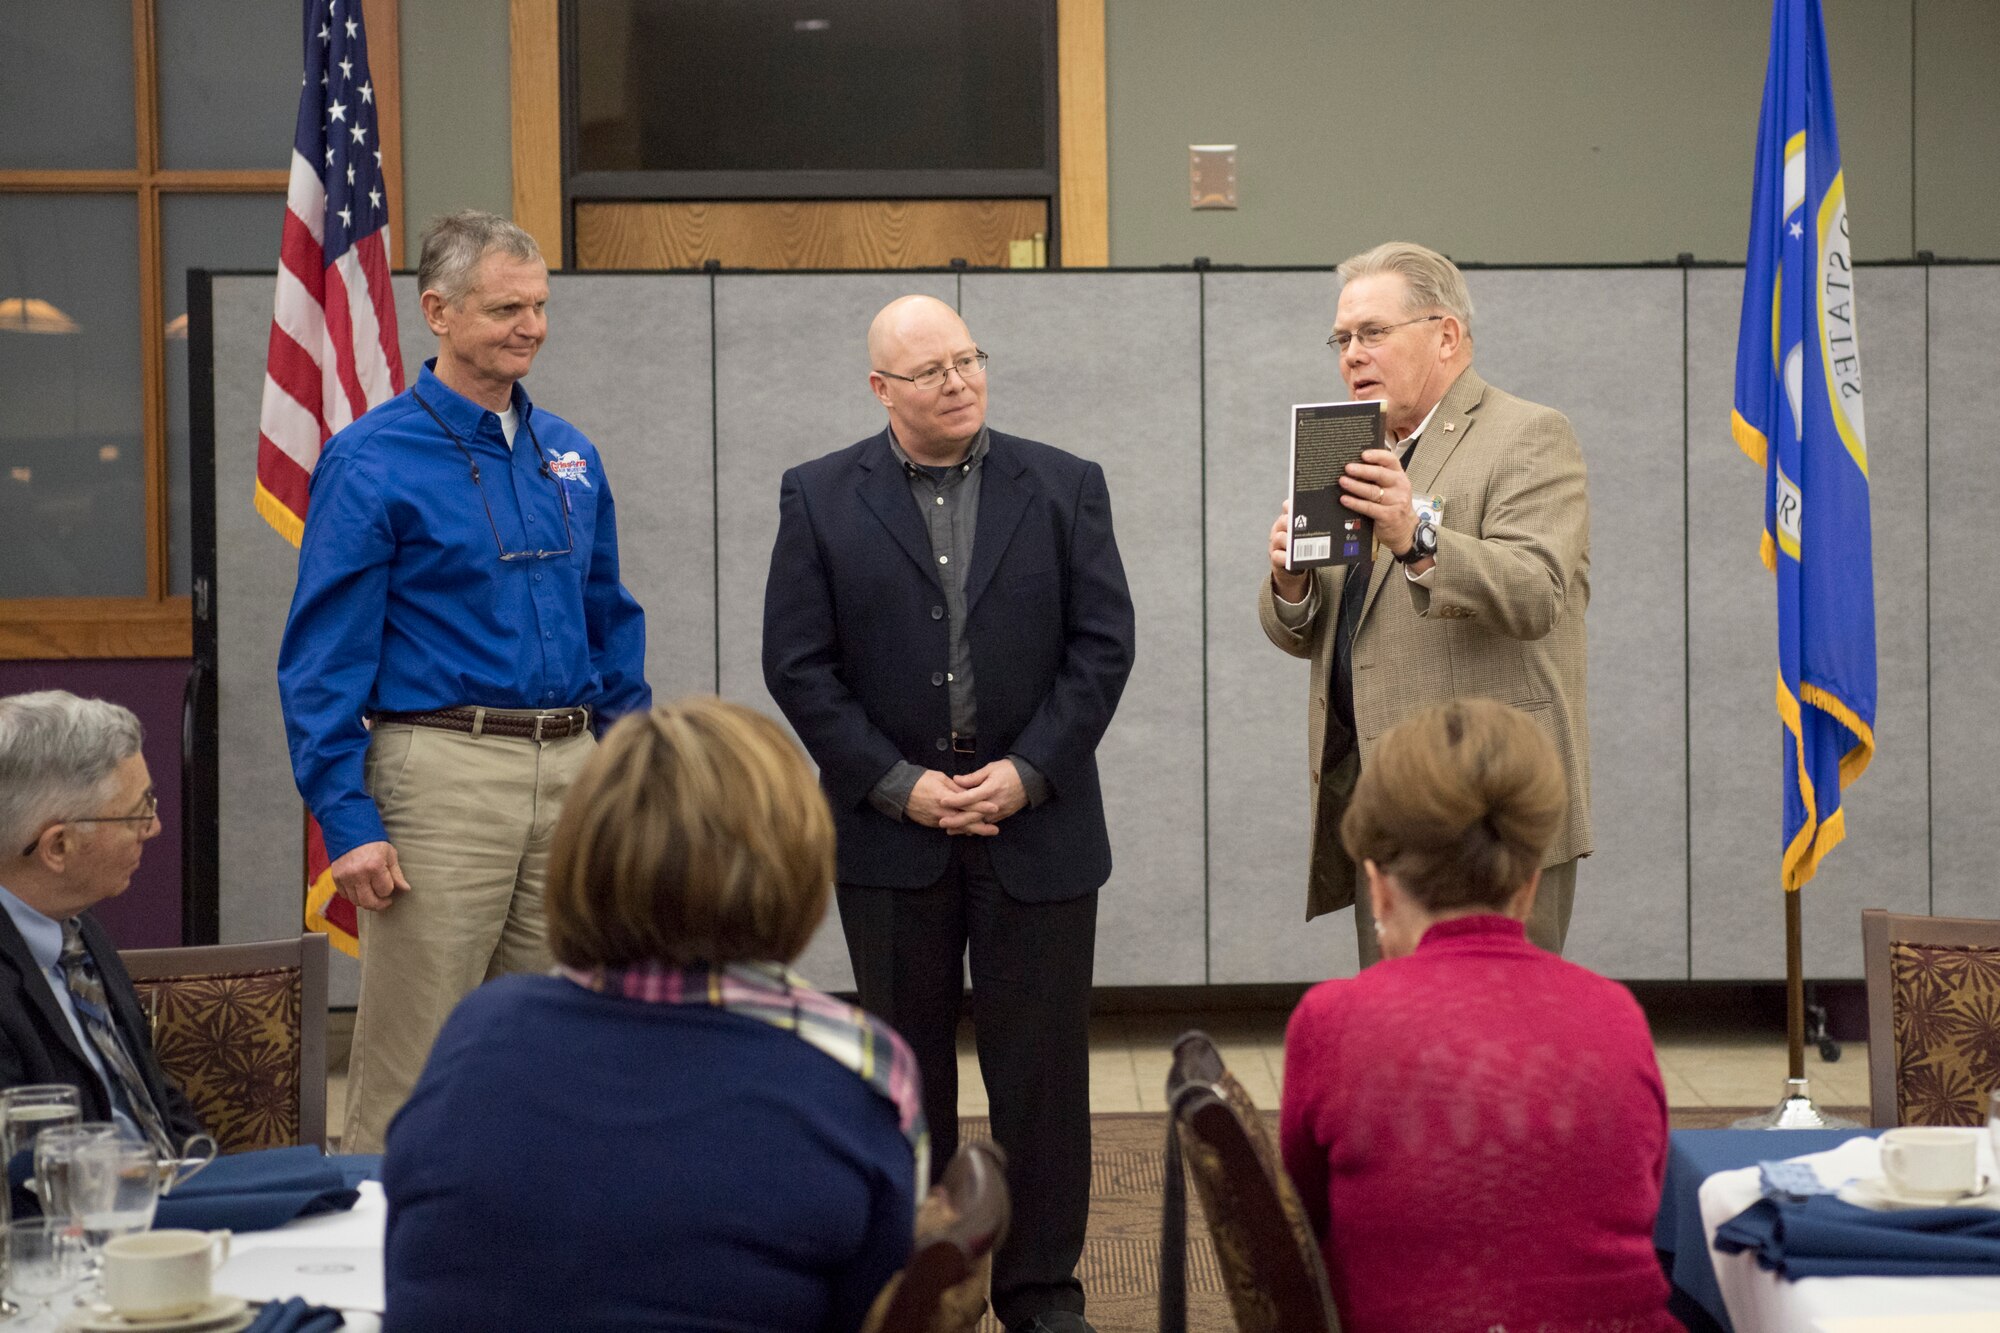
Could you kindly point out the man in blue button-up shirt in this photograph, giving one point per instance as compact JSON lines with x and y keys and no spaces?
{"x":458,"y":587}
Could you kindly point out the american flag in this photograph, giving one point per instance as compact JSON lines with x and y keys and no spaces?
{"x":334,"y":351}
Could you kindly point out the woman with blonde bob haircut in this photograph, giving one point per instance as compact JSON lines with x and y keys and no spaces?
{"x":674,"y":1130}
{"x":1476,"y":1128}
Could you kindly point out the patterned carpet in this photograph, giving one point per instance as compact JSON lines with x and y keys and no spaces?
{"x":1121,"y":1255}
{"x":1120,"y":1267}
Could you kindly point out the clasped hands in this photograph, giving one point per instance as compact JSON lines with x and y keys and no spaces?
{"x":1376,"y":487}
{"x":972,"y":802}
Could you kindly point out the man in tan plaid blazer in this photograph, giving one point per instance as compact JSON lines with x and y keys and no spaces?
{"x":1486,"y":600}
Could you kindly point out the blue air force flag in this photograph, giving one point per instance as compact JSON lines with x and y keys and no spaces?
{"x":1798,"y":414}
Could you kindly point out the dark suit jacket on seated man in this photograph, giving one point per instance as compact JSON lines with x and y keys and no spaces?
{"x":1488,"y":600}
{"x":947,"y":627}
{"x":76,"y":808}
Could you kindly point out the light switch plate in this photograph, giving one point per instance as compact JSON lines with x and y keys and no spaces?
{"x":1212,"y":175}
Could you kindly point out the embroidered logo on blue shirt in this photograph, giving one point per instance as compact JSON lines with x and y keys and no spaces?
{"x":569,"y":466}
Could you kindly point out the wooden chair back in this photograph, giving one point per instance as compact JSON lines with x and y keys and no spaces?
{"x":1933,"y":1004}
{"x":241,"y":1030}
{"x":959,"y":1225}
{"x":1269,"y":1258}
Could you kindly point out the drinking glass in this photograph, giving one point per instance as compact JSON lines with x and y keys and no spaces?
{"x":44,"y":1260}
{"x":55,"y":1161}
{"x":114,"y":1188}
{"x":27,"y":1110}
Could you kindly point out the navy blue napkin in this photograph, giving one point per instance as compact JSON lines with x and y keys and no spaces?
{"x":1825,"y":1237}
{"x":259,"y":1191}
{"x":295,"y":1316}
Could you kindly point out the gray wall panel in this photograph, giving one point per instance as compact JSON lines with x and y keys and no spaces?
{"x":628,"y":364}
{"x":261,"y":834}
{"x":1736,"y":927}
{"x":1965,"y":637}
{"x":791,"y":374}
{"x":1735,"y":749}
{"x":1266,"y":349}
{"x":1604,"y":348}
{"x":1108,"y":366}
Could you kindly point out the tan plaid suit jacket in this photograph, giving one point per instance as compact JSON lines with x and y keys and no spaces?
{"x":1499,"y":615}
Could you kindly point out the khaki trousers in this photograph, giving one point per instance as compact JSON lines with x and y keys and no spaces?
{"x":471,"y":819}
{"x":1548,"y":921}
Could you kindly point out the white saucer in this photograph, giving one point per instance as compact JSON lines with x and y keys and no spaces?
{"x":1876,"y":1192}
{"x":222,"y":1314}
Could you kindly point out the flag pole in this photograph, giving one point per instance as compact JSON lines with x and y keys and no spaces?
{"x":1795,"y":1110}
{"x":1795,"y":989}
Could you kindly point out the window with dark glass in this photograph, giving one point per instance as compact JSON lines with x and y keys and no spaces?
{"x":813,"y":85}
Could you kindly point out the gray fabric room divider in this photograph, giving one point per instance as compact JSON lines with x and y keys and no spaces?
{"x":702,"y":389}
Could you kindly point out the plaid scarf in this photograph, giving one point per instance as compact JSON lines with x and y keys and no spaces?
{"x":773,"y":993}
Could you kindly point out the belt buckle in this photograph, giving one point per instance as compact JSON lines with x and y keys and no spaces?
{"x":540,"y":718}
{"x":963,"y":744}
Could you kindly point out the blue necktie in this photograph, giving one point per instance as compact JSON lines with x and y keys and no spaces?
{"x":86,"y":992}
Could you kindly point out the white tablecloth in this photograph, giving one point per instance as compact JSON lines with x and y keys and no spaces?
{"x":1761,"y":1302}
{"x":361,"y":1228}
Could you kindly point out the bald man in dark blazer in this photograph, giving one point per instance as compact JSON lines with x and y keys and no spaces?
{"x":947,"y":627}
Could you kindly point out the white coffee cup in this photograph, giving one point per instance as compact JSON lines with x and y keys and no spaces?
{"x":160,"y":1274}
{"x":1933,"y":1161}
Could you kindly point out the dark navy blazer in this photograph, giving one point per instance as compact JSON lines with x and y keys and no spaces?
{"x":37,"y":1044}
{"x":855,"y":629}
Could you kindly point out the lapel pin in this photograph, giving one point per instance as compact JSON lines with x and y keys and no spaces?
{"x":1447,"y":427}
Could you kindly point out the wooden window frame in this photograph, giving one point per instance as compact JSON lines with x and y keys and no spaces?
{"x":159,"y":624}
{"x":1082,"y":199}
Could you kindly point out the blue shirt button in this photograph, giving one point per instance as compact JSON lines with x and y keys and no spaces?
{"x":548,"y":634}
{"x":538,"y":578}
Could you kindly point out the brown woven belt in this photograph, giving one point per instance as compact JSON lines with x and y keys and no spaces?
{"x":554,"y":725}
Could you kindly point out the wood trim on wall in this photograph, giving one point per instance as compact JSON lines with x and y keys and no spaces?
{"x":383,"y":19}
{"x":39,"y":628}
{"x":810,"y":233}
{"x":534,"y":64}
{"x":1084,"y":238}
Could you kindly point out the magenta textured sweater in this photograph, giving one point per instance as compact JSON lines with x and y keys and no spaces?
{"x":1479,"y":1134}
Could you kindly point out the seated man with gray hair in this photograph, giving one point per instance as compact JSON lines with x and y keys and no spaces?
{"x":76,"y":809}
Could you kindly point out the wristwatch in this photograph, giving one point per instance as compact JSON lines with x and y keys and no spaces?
{"x":1423,"y":541}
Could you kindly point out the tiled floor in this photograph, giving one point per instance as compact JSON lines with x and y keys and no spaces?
{"x":1712,"y":1060}
{"x":1706,"y":1064}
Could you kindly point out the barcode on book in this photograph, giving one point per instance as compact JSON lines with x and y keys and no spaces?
{"x":1312,"y":548}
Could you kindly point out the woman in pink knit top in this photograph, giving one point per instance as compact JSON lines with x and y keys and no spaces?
{"x":1477,"y":1128}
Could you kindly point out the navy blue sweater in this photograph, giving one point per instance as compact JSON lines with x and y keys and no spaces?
{"x":578,"y":1161}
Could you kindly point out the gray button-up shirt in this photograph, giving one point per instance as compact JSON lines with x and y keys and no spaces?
{"x":947,"y":498}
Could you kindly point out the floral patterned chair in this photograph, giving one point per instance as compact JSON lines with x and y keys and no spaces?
{"x":1933,"y":1017}
{"x":241,"y":1029}
{"x":959,"y":1224}
{"x":1269,"y":1258}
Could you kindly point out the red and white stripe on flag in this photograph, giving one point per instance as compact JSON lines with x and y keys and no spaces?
{"x":334,"y":351}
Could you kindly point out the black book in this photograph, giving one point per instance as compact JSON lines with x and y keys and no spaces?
{"x":1326,"y":437}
